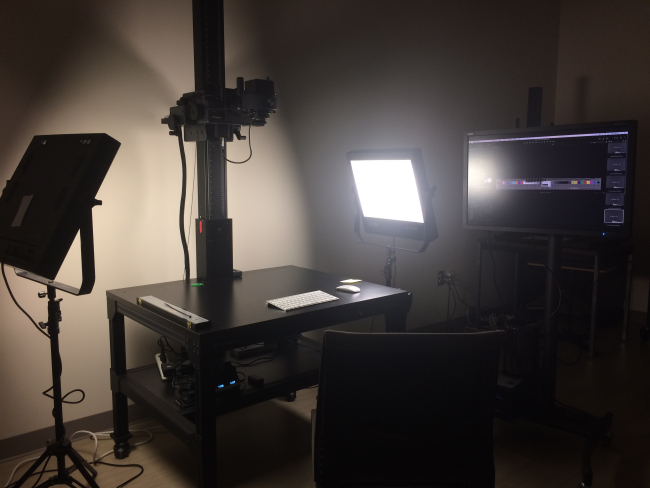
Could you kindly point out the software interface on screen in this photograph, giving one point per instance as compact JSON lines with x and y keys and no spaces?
{"x":574,"y":182}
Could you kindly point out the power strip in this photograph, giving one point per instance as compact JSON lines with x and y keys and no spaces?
{"x":159,"y":363}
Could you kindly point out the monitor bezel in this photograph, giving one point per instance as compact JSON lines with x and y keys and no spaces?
{"x":629,"y":125}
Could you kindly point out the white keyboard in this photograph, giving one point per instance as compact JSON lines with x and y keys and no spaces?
{"x":302,"y":300}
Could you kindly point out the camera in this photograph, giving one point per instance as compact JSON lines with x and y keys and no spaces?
{"x":211,"y":115}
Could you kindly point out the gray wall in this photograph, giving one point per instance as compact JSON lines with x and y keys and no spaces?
{"x":116,"y":67}
{"x":603,"y":75}
{"x":370,"y":74}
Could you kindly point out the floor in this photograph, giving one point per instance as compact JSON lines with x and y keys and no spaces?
{"x":268,"y":445}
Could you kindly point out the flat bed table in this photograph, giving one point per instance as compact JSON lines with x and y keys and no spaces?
{"x":239,"y":317}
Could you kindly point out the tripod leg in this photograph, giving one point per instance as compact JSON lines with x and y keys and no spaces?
{"x":79,"y":462}
{"x":46,"y":455}
{"x":73,"y":481}
{"x":87,"y":465}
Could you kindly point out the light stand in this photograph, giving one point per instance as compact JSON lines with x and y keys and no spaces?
{"x":391,"y":259}
{"x":391,"y":251}
{"x":60,"y":447}
{"x":392,"y":198}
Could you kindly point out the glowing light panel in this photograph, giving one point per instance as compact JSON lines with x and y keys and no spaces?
{"x":387,"y":189}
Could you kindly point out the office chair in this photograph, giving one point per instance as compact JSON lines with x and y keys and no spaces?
{"x":406,"y":409}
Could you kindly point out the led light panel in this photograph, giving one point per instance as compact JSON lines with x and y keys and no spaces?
{"x":387,"y":189}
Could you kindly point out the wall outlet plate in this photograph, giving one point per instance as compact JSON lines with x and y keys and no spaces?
{"x":441,"y":278}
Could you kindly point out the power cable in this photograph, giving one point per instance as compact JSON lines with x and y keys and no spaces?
{"x":181,"y":216}
{"x":4,"y":276}
{"x":189,"y":225}
{"x":250,"y":148}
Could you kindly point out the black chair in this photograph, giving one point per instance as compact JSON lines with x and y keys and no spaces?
{"x":406,"y":409}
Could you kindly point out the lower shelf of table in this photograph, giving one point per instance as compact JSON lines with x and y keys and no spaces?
{"x":293,"y":368}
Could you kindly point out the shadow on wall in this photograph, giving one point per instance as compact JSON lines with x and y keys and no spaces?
{"x":37,"y":43}
{"x":582,"y":97}
{"x":43,"y":45}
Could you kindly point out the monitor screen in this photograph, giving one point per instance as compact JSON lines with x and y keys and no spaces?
{"x":393,"y":193}
{"x":572,"y":179}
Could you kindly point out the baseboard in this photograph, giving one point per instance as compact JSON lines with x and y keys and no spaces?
{"x":32,"y":441}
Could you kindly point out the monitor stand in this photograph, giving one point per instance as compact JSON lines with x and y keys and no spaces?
{"x":539,"y":404}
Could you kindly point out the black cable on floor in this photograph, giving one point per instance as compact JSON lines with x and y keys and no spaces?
{"x":124,"y":466}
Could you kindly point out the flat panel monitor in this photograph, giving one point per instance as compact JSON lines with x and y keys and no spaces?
{"x":571,"y":179}
{"x":44,"y":202}
{"x":392,"y":193}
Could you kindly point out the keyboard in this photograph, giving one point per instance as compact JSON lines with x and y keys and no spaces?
{"x":302,"y":300}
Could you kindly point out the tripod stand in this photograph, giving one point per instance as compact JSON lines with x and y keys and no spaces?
{"x":60,"y":447}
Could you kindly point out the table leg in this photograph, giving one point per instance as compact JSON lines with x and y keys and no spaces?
{"x":517,"y":292}
{"x":479,"y":267}
{"x":206,"y":422}
{"x":628,"y":289}
{"x":121,"y":434}
{"x":395,"y":321}
{"x":594,"y":307}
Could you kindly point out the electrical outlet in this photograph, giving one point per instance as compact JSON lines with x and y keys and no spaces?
{"x":445,"y":277}
{"x":442,"y":279}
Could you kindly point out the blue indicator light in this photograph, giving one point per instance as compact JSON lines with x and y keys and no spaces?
{"x":232,"y":382}
{"x":220,"y":386}
{"x":603,"y":233}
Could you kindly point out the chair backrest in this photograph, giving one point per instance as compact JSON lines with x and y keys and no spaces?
{"x":406,"y":409}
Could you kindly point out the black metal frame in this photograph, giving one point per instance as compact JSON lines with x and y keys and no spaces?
{"x":536,"y":402}
{"x":87,"y":259}
{"x":207,"y":350}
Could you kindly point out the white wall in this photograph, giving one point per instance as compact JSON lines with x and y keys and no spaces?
{"x":603,"y":75}
{"x":116,"y":67}
{"x":393,"y":73}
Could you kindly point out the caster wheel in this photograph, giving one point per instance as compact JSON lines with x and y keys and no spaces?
{"x":290,"y":397}
{"x":122,"y":451}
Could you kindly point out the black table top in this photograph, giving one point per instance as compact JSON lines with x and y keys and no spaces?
{"x":241,"y":303}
